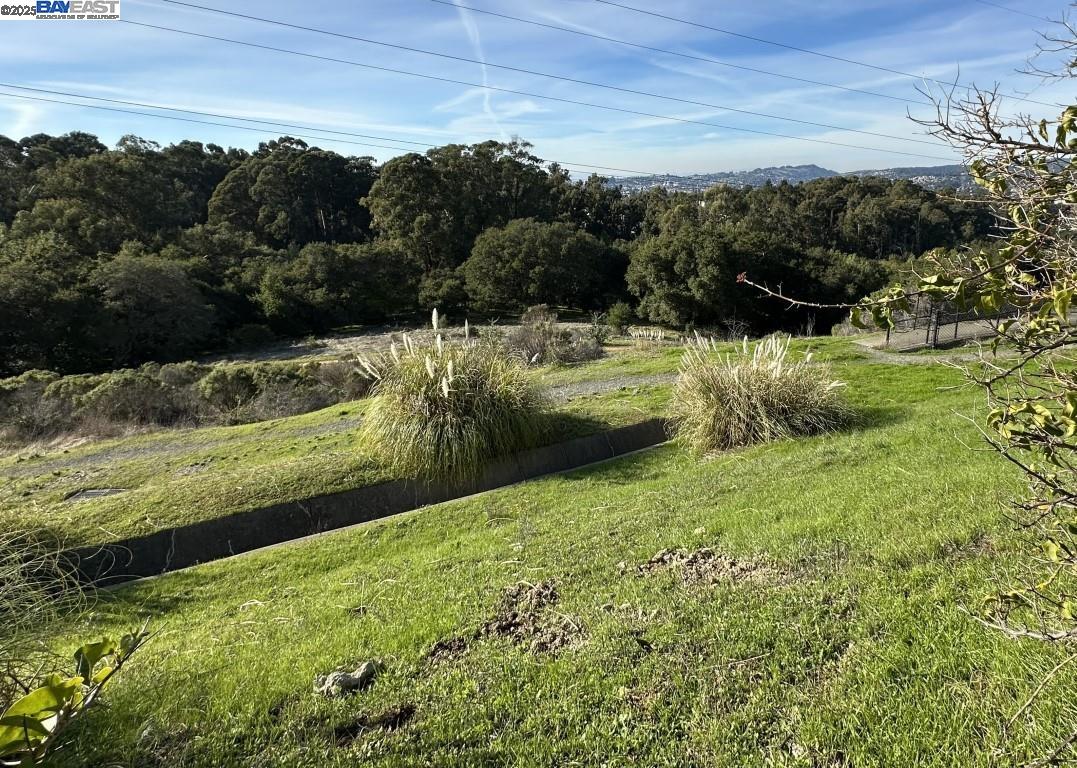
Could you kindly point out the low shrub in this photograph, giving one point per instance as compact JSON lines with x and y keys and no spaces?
{"x":753,"y":395}
{"x":539,"y":340}
{"x":132,"y":397}
{"x":599,"y":330}
{"x":24,"y":409}
{"x":183,"y":374}
{"x":345,"y":379}
{"x":619,"y":316}
{"x":228,"y":387}
{"x":440,"y":411}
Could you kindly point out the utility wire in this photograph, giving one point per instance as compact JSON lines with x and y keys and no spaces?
{"x":681,"y":54}
{"x":1012,"y":10}
{"x":274,"y":123}
{"x":809,"y":51}
{"x":565,"y":164}
{"x":562,"y":100}
{"x":185,"y":119}
{"x":537,"y":73}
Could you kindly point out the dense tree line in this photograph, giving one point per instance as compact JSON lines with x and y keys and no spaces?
{"x":112,"y":257}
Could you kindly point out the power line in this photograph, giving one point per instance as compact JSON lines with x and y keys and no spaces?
{"x":274,"y":123}
{"x":187,"y":119}
{"x":537,"y":73}
{"x":681,"y":54}
{"x":565,"y":164}
{"x":808,"y":51}
{"x":1012,"y":10}
{"x":559,"y":99}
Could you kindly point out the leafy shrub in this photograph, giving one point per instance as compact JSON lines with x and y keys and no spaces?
{"x":538,"y":314}
{"x":619,"y":316}
{"x":440,"y":412}
{"x":539,"y":340}
{"x":599,"y":330}
{"x":182,"y":374}
{"x":228,"y":387}
{"x":285,"y":390}
{"x":37,"y":587}
{"x":752,"y":396}
{"x":345,"y":379}
{"x":23,"y":410}
{"x":132,"y":397}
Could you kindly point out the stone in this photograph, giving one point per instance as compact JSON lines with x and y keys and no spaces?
{"x":344,"y":683}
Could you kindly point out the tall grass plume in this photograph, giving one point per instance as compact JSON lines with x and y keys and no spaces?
{"x":440,"y":411}
{"x":752,"y":395}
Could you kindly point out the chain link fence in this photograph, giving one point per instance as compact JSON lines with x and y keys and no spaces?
{"x":936,"y":326}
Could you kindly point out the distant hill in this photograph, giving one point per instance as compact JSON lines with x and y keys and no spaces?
{"x":932,"y":177}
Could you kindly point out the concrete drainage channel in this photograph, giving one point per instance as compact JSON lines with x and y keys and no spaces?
{"x":202,"y":542}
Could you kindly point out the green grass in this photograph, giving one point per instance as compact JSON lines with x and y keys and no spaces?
{"x":619,"y":361}
{"x":176,"y":477}
{"x":855,"y":652}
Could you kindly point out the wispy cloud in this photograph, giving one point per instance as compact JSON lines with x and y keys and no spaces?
{"x":472,"y":30}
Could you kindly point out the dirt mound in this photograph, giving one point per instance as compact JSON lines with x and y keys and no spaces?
{"x":387,"y":720}
{"x":525,"y":615}
{"x":449,"y":648}
{"x":706,"y":566}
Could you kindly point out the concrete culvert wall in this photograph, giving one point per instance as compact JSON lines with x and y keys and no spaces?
{"x":175,"y":548}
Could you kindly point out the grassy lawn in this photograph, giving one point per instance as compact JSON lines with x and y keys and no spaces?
{"x":833,"y":636}
{"x":180,"y":476}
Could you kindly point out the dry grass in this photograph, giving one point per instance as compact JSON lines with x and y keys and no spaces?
{"x":35,"y":588}
{"x":441,"y":411}
{"x":753,"y":395}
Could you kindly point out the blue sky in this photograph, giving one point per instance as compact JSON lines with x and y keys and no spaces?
{"x":932,"y":38}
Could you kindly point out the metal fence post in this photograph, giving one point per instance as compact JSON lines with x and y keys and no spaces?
{"x":935,"y":333}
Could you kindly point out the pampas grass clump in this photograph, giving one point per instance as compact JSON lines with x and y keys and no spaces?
{"x":753,"y":395}
{"x":441,"y":411}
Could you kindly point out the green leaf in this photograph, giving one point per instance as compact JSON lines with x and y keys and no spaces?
{"x":49,"y":698}
{"x":87,"y":657}
{"x":1062,"y":304}
{"x":20,"y":733}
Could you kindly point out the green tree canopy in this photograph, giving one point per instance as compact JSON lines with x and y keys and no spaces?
{"x":531,"y":262}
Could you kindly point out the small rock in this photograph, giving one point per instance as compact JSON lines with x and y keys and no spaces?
{"x":700,"y":531}
{"x":342,"y":683}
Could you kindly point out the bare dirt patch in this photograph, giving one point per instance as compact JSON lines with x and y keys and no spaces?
{"x":706,"y":566}
{"x":390,"y":719}
{"x":449,"y":648}
{"x":526,"y":615}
